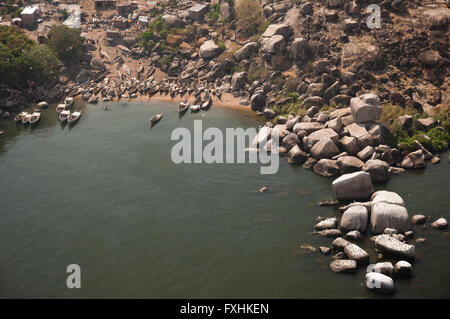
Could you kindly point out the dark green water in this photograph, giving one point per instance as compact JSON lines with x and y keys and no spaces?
{"x":105,"y":194}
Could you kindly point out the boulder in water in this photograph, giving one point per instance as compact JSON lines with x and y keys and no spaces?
{"x":356,"y":185}
{"x":390,"y":245}
{"x":386,"y":215}
{"x":379,"y":282}
{"x":355,"y":218}
{"x":343,"y":266}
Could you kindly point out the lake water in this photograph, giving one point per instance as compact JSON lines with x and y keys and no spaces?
{"x":104,"y":194}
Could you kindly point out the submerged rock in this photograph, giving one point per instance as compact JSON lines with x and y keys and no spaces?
{"x":326,"y":224}
{"x":343,"y":266}
{"x":419,"y":219}
{"x":403,"y":269}
{"x":440,"y":223}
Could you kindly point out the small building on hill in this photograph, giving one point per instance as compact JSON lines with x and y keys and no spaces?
{"x":29,"y":16}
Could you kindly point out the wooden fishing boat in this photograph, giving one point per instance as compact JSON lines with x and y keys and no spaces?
{"x":64,"y":115}
{"x":172,"y":94}
{"x":207,"y":102}
{"x":26,"y":119}
{"x":73,"y":117}
{"x":20,"y":116}
{"x":61,"y":107}
{"x":68,"y":101}
{"x":183,"y":106}
{"x":35,"y":117}
{"x":156,"y":118}
{"x":195,"y":108}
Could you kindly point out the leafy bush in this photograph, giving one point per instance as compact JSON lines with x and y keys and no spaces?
{"x":214,"y":14}
{"x":249,"y":16}
{"x":435,"y":140}
{"x":23,"y":61}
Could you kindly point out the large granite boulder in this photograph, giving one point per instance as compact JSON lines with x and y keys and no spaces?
{"x":172,"y":21}
{"x":274,"y":44}
{"x":300,"y":49}
{"x":387,"y":197}
{"x":290,"y":140}
{"x":296,"y":155}
{"x":308,"y":127}
{"x":313,"y":138}
{"x":386,"y":215}
{"x":349,"y":164}
{"x":355,"y":218}
{"x":324,"y":148}
{"x":326,"y":167}
{"x":277,"y":29}
{"x":238,"y":80}
{"x":366,"y":108}
{"x":349,"y":144}
{"x":356,"y":185}
{"x":258,"y":101}
{"x":209,"y":49}
{"x":246,"y":51}
{"x":378,"y":170}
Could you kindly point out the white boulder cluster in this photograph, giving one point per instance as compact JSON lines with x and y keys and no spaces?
{"x":385,"y":217}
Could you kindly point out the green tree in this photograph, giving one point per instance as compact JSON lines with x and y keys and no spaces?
{"x":66,"y":43}
{"x":22,"y":60}
{"x":249,"y":16}
{"x":39,"y":64}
